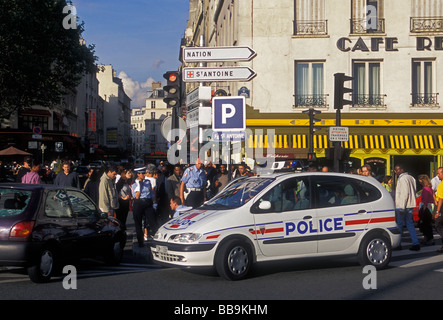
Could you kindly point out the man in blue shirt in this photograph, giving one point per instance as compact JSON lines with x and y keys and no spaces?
{"x":66,"y":178}
{"x":194,"y":180}
{"x":144,"y":198}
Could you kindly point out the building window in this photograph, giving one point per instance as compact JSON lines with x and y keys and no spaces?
{"x":310,"y":18}
{"x":29,"y":122}
{"x":152,"y":115}
{"x":427,"y":16}
{"x":367,"y":84}
{"x":367,"y":17}
{"x":153,"y":104}
{"x":309,"y":84}
{"x":423,"y":84}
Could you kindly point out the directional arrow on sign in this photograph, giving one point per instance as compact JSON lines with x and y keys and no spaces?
{"x":211,"y":54}
{"x":218,"y":74}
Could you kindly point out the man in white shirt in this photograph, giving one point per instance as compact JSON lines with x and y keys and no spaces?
{"x":405,"y":202}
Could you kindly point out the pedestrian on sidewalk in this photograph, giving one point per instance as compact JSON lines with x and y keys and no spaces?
{"x":33,"y":176}
{"x":405,"y":202}
{"x":107,"y":192}
{"x":425,"y":209}
{"x":66,"y":178}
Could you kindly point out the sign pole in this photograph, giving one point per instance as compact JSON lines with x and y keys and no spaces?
{"x":337,"y":144}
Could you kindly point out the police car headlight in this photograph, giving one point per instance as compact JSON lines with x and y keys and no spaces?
{"x":157,"y":236}
{"x":185,"y":237}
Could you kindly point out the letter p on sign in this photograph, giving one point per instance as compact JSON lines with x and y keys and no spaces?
{"x":228,"y":114}
{"x":228,"y":111}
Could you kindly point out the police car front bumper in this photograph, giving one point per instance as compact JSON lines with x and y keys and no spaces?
{"x":183,"y":255}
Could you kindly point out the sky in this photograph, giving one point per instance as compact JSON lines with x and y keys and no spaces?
{"x":140,"y":38}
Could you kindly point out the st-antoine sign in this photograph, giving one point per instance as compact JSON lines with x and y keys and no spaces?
{"x":390,"y":43}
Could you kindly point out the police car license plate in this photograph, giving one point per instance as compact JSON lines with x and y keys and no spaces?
{"x":161,"y":249}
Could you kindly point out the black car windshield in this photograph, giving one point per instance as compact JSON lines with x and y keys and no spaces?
{"x":13,"y":202}
{"x":237,"y":193}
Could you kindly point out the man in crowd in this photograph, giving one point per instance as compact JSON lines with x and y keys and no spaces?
{"x":194,"y":180}
{"x":405,"y":202}
{"x":66,"y":178}
{"x":107,"y":192}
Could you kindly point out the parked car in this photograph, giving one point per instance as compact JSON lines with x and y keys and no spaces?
{"x":282,"y":216}
{"x":42,"y":226}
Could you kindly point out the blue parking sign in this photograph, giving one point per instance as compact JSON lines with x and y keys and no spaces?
{"x":228,"y":114}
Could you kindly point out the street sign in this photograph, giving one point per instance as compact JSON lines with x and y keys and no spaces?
{"x":166,"y":129}
{"x":211,"y":54}
{"x":37,"y":130}
{"x":59,"y":147}
{"x":229,"y":114}
{"x":218,"y":74}
{"x":338,"y":134}
{"x":198,"y":95}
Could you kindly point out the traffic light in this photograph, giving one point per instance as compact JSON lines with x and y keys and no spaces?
{"x":312,"y":157}
{"x":340,"y":90}
{"x":312,"y":121}
{"x":173,"y":89}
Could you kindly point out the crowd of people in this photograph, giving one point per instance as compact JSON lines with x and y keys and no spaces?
{"x":156,"y":194}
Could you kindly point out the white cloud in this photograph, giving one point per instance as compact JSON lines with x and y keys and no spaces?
{"x":138,"y":92}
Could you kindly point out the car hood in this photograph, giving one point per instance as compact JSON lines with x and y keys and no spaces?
{"x":193,"y":219}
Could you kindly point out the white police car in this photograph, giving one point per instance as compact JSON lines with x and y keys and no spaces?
{"x":283,"y":216}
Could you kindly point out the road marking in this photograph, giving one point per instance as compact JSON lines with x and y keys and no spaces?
{"x":409,"y":263}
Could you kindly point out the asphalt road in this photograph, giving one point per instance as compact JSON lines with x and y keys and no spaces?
{"x":411,"y":275}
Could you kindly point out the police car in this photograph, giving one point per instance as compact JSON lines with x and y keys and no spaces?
{"x":283,"y":216}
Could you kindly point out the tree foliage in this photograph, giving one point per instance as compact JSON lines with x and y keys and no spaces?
{"x":40,"y":59}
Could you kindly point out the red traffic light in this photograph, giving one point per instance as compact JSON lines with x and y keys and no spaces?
{"x":172,"y":77}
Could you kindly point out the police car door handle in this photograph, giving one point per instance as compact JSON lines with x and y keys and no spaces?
{"x":362,"y":211}
{"x":307,"y":217}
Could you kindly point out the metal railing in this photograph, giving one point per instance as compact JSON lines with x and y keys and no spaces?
{"x":368,"y":100}
{"x":368,"y":25}
{"x":426,"y":25}
{"x":311,"y":100}
{"x":424,"y":100}
{"x":311,"y":28}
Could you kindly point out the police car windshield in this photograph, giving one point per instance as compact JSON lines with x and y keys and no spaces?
{"x":238,"y":193}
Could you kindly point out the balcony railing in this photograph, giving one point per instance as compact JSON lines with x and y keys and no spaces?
{"x":368,"y":100}
{"x":311,"y":28}
{"x":424,"y":100}
{"x":427,"y":25}
{"x":311,"y":100}
{"x":368,"y":25}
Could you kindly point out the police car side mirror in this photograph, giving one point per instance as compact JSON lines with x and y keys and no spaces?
{"x":265,"y":205}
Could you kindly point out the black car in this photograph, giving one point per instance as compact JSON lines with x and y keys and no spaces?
{"x":43,"y":225}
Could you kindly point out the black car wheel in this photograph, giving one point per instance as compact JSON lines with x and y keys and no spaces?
{"x":43,"y":270}
{"x":233,"y":260}
{"x":114,"y":253}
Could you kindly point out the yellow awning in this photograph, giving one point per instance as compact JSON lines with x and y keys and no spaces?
{"x":398,"y":142}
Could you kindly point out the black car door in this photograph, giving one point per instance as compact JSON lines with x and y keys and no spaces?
{"x":91,"y":233}
{"x":58,"y":222}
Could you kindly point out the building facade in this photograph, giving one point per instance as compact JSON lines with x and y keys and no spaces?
{"x":147,"y":139}
{"x":117,"y":110}
{"x":391,"y":49}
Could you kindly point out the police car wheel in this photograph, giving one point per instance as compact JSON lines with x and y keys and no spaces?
{"x":233,"y":260}
{"x":376,"y":251}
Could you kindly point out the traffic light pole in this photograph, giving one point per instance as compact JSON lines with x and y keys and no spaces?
{"x":339,"y":102}
{"x":337,"y":144}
